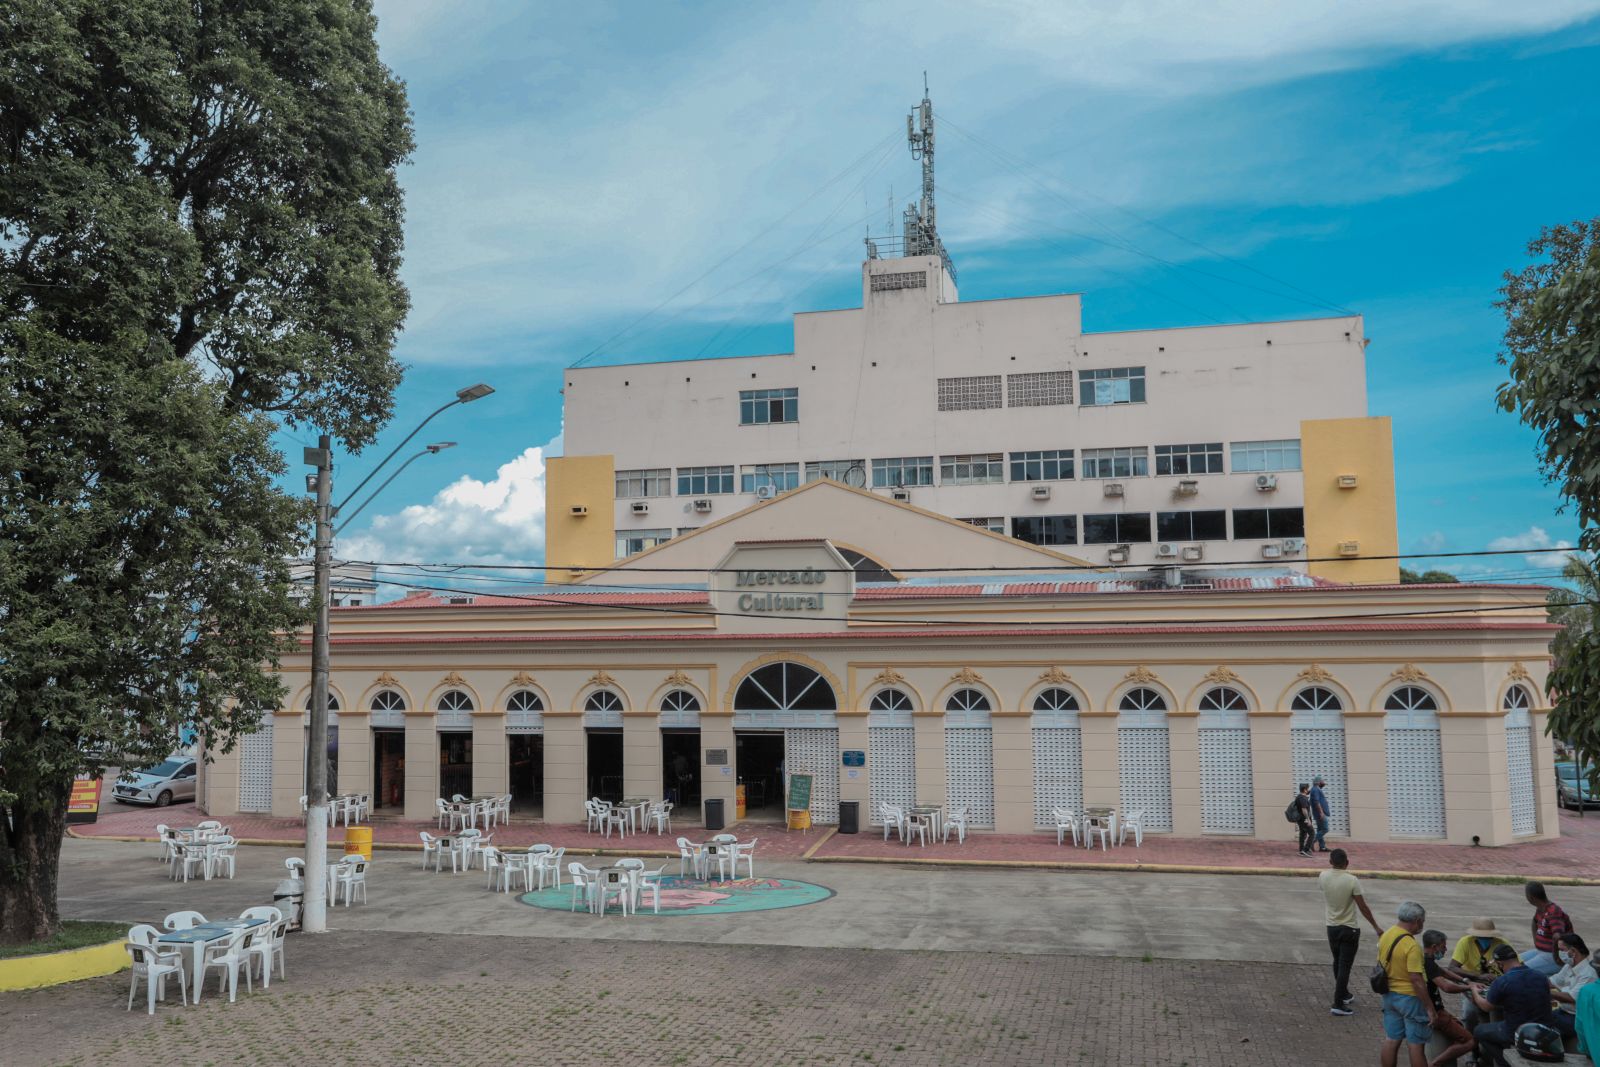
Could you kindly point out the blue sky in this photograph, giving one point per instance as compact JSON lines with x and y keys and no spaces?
{"x":686,"y":177}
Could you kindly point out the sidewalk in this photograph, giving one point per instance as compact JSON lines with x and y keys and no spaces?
{"x":1575,"y":856}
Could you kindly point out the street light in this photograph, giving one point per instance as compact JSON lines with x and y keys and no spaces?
{"x":315,"y":915}
{"x":428,"y":450}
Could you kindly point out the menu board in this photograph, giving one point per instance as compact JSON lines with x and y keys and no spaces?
{"x":799,"y":792}
{"x":83,"y":804}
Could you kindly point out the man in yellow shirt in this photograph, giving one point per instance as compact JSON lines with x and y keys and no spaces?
{"x":1408,"y":1012}
{"x":1473,"y":961}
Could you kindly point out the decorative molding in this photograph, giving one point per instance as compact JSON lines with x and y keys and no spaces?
{"x":453,"y":678}
{"x":966,"y":676}
{"x":888,"y":676}
{"x":1055,"y":676}
{"x":679,"y":678}
{"x":1409,"y":673}
{"x":1221,"y":675}
{"x":601,"y":678}
{"x":523,"y":678}
{"x":1314,"y":674}
{"x":1519,"y":673}
{"x":387,"y":679}
{"x":1140,"y":675}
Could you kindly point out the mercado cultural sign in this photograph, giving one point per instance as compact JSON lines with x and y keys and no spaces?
{"x":796,"y":598}
{"x":83,"y":804}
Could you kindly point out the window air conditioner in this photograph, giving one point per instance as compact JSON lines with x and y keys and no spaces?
{"x":766,"y":492}
{"x":1271,"y":551}
{"x":1293,"y":546}
{"x":1041,"y":492}
{"x":1118,"y":554}
{"x":1266,"y":483}
{"x":702,"y":505}
{"x":901,"y":494}
{"x":1187,"y":487}
{"x":1347,"y":481}
{"x":1166,"y":550}
{"x":640,"y":507}
{"x":1194,"y":552}
{"x":579,"y":510}
{"x":1349,"y":548}
{"x":1112,"y":489}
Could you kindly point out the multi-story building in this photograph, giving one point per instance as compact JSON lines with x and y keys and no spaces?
{"x":1203,"y":444}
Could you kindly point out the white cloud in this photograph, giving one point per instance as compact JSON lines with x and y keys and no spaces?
{"x":469,"y":521}
{"x":1433,"y":541}
{"x":1535,"y":537}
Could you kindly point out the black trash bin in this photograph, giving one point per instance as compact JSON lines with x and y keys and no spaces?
{"x":715,"y":820}
{"x":849,"y":816}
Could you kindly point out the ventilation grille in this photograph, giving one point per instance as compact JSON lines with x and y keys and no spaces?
{"x":816,"y":752}
{"x":1039,"y":390}
{"x":911,"y":279}
{"x":891,"y":769}
{"x":1519,"y":769}
{"x":1416,"y":783}
{"x":1227,"y":791}
{"x":255,"y":771}
{"x":1144,"y":771}
{"x":977,"y":393}
{"x":1319,"y":750}
{"x":1057,"y":772}
{"x":969,"y":772}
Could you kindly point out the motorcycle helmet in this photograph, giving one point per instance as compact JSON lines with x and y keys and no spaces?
{"x":1539,"y":1043}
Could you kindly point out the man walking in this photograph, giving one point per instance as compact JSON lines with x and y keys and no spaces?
{"x":1341,"y":893}
{"x":1302,"y":818}
{"x":1408,"y":1013}
{"x":1320,"y":811}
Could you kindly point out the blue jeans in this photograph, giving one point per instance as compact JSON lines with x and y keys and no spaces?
{"x":1322,"y":832}
{"x":1405,"y":1019}
{"x":1543,"y":962}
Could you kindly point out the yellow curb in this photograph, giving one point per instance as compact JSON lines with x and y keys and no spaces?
{"x":54,"y":968}
{"x":808,"y":853}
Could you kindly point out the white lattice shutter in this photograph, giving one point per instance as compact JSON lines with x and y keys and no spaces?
{"x":816,"y":752}
{"x":1227,"y":792}
{"x":255,"y":771}
{"x":891,"y":769}
{"x":1519,"y":771}
{"x":969,"y":772}
{"x":1320,"y":751}
{"x":1416,"y":782}
{"x":1144,"y":771}
{"x":1057,"y":772}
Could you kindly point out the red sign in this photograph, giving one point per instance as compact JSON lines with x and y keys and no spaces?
{"x":83,"y":805}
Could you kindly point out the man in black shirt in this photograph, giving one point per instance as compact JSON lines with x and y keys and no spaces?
{"x":1307,"y":825}
{"x":1446,"y":1025}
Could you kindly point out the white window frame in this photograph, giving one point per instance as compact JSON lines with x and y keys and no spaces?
{"x":890,"y":472}
{"x":992,"y":523}
{"x":1252,"y":457}
{"x":645,"y":482}
{"x":1175,"y":456}
{"x":1101,"y":464}
{"x":712,"y":481}
{"x":757,"y":406}
{"x":1111,"y":386}
{"x":1043,"y":465}
{"x":834,"y":469}
{"x":633,"y":542}
{"x":780,"y":477}
{"x":973,"y":468}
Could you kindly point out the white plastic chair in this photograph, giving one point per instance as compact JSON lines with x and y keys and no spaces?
{"x":957,"y":821}
{"x":722,"y":856}
{"x":583,"y":880}
{"x":548,"y":863}
{"x":267,"y":947}
{"x":352,"y":876}
{"x":1132,"y":822}
{"x":189,"y":859}
{"x":918,"y":826}
{"x":163,"y":853}
{"x":661,"y":817}
{"x":893,"y":819}
{"x":1066,"y":822}
{"x":222,"y":854}
{"x":228,"y":957}
{"x":144,"y":934}
{"x":620,"y":890}
{"x":618,"y":819}
{"x":687,"y":857}
{"x":747,"y":853}
{"x":155,"y":968}
{"x":182,"y":920}
{"x":1102,"y":827}
{"x":432,"y":846}
{"x":595,"y":815}
{"x":495,"y":867}
{"x":441,"y":812}
{"x":209,"y":824}
{"x":649,"y":881}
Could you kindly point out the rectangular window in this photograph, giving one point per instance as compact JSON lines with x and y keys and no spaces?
{"x":1045,"y":465}
{"x":1046,"y":529}
{"x":1116,"y":462}
{"x":1268,"y":524}
{"x":902,"y":471}
{"x":1189,"y":459}
{"x":1039,"y":390}
{"x":704,"y":481}
{"x":1191,"y":526}
{"x":1116,"y":529}
{"x":632,"y":542}
{"x":779,"y":476}
{"x":1253,"y":456}
{"x":995,"y":524}
{"x":1111,"y":385}
{"x":656,"y":481}
{"x":686,"y":529}
{"x":969,"y":394}
{"x":758,"y":407}
{"x":837,"y":469}
{"x":973,"y":469}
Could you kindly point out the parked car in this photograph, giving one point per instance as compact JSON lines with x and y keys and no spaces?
{"x":1570,"y":787}
{"x":171,"y":779}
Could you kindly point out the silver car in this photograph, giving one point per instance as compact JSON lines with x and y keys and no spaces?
{"x":171,"y":779}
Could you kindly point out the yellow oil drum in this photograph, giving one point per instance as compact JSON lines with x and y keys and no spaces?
{"x":738,"y":802}
{"x":358,"y":842}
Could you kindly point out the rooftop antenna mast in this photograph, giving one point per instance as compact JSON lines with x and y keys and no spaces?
{"x":921,"y":219}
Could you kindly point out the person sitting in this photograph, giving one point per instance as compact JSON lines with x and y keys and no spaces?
{"x":1549,"y":923}
{"x":1444,"y":1024}
{"x":1521,"y":995}
{"x":1473,"y":961}
{"x":1576,"y":972}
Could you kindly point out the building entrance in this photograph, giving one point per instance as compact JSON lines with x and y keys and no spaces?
{"x":526,"y":755}
{"x":759,"y":764}
{"x":388,"y":768}
{"x":680,"y":767}
{"x":455,"y":765}
{"x":605,"y":764}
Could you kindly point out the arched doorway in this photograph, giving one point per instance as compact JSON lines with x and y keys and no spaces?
{"x":1227,"y":787}
{"x":891,"y":753}
{"x":680,"y":747}
{"x":1057,"y":755}
{"x":1518,"y":704}
{"x":1144,"y":757}
{"x":1316,"y":742}
{"x":1415,"y":763}
{"x":784,"y":723}
{"x":453,"y":719}
{"x":386,"y":715}
{"x":969,"y":755}
{"x":602,"y":727}
{"x":525,"y":751}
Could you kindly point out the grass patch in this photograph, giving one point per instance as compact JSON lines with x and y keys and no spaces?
{"x":74,"y":934}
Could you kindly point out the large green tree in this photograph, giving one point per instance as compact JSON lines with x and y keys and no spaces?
{"x":1552,"y":351}
{"x":200,"y":234}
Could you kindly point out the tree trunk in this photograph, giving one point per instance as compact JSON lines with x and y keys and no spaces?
{"x":30,"y":855}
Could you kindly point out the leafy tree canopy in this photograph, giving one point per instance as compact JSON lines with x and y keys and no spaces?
{"x":1434,"y":577}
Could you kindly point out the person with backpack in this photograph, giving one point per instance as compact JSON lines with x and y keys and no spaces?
{"x":1299,"y":812}
{"x":1401,"y":976}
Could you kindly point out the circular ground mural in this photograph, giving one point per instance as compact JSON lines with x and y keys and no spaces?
{"x":690,"y":896}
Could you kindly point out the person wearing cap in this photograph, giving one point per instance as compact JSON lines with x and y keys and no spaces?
{"x":1521,"y":994}
{"x":1320,"y":811}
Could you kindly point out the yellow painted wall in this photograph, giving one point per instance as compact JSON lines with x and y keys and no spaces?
{"x":1365,"y":514}
{"x":589,"y":540}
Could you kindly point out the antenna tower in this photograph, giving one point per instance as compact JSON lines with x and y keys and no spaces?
{"x":921,"y":219}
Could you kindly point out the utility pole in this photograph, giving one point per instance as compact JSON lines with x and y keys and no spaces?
{"x":315,"y":917}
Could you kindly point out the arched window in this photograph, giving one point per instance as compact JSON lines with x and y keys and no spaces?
{"x":1517,"y":705}
{"x":1517,"y":699}
{"x":889,"y":707}
{"x":967,"y":700}
{"x":387,"y":708}
{"x":603,"y":708}
{"x":1223,"y":698}
{"x":1415,"y":763}
{"x":524,"y":712}
{"x":455,"y":700}
{"x":1227,"y":784}
{"x":1144,"y":757}
{"x":455,"y":710}
{"x":680,"y":708}
{"x":1057,"y":755}
{"x":333,"y":702}
{"x":1411,"y":698}
{"x":1142,"y":699}
{"x":784,"y":694}
{"x":1055,"y":701}
{"x":1316,"y":742}
{"x":891,"y":752}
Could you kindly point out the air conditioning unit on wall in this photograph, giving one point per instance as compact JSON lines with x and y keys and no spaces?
{"x":901,"y":494}
{"x":1166,"y":550}
{"x":640,"y":507}
{"x":1266,"y":483}
{"x":1293,"y":546}
{"x":1112,"y":489}
{"x":1041,"y":492}
{"x":1193,"y":552}
{"x":1187,"y":487}
{"x":766,"y":492}
{"x":1118,"y":554}
{"x":579,"y":510}
{"x":702,"y":505}
{"x":1271,"y":551}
